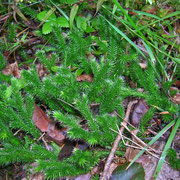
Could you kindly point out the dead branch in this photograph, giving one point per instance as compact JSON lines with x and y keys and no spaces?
{"x":116,"y":142}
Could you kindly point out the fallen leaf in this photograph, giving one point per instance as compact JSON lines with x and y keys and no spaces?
{"x":6,"y":53}
{"x":33,"y":175}
{"x":66,"y":150}
{"x":84,"y":177}
{"x":12,"y":69}
{"x":55,"y":134}
{"x":135,"y":172}
{"x":84,"y":77}
{"x":131,"y":154}
{"x":44,"y":124}
{"x":143,"y":65}
{"x":40,"y":119}
{"x":176,"y":96}
{"x":139,"y":110}
{"x":177,"y":83}
{"x":166,"y":171}
{"x":41,"y":70}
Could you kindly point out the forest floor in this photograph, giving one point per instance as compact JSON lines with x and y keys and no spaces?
{"x":147,"y":136}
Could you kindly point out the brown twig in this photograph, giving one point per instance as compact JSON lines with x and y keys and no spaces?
{"x":116,"y":142}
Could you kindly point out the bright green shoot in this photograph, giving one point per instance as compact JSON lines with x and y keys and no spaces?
{"x":167,"y":146}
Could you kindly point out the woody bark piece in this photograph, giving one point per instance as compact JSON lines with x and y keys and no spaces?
{"x":116,"y":142}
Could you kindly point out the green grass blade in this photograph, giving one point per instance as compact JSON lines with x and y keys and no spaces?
{"x":167,"y":146}
{"x":128,"y":17}
{"x":161,"y":38}
{"x":114,"y":9}
{"x":62,"y":12}
{"x":166,"y":17}
{"x":152,"y":142}
{"x":150,"y":53}
{"x":128,"y":24}
{"x":125,"y":37}
{"x":147,"y":14}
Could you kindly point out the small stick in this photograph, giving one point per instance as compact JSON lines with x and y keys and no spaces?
{"x":45,"y":143}
{"x":116,"y":142}
{"x":41,"y":136}
{"x":16,"y":132}
{"x":140,"y":147}
{"x":138,"y":139}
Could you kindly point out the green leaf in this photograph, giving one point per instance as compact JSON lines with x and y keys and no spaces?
{"x":79,"y":72}
{"x":147,"y":14}
{"x":46,"y":16}
{"x":177,"y":60}
{"x":52,"y":17}
{"x":135,"y":172}
{"x":55,"y":68}
{"x":62,"y":21}
{"x":73,"y":14}
{"x":8,"y":92}
{"x":81,"y":22}
{"x":47,"y":28}
{"x":41,"y":15}
{"x":89,"y":29}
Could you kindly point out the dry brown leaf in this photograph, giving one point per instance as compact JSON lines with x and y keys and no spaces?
{"x":44,"y":124}
{"x":57,"y":135}
{"x":33,"y":175}
{"x":84,"y":77}
{"x":84,"y":177}
{"x":12,"y":69}
{"x":66,"y":150}
{"x":177,"y":83}
{"x":131,"y":154}
{"x":143,"y":65}
{"x":40,"y":119}
{"x":41,"y":70}
{"x":140,"y":109}
{"x":151,"y":163}
{"x":176,"y":97}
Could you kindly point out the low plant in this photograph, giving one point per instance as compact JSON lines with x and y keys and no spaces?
{"x":69,"y":99}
